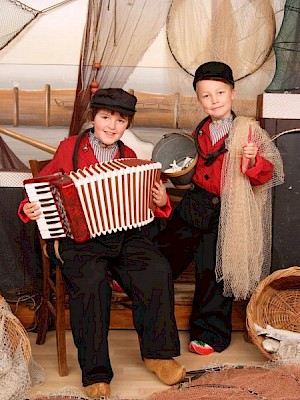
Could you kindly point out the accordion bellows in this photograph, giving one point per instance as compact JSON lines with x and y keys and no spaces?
{"x":99,"y":199}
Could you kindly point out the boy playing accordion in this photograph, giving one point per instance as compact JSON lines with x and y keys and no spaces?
{"x":128,"y":255}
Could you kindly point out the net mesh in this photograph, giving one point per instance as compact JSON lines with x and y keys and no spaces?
{"x":244,"y":43}
{"x":244,"y":238}
{"x":276,"y":382}
{"x":287,"y":51}
{"x":18,"y":370}
{"x":116,"y":36}
{"x":14,"y":17}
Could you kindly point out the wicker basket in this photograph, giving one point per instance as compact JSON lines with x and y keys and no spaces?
{"x":275,"y":302}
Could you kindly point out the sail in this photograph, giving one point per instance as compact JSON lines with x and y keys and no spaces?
{"x":8,"y":160}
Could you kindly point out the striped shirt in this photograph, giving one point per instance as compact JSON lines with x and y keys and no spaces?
{"x":102,"y":152}
{"x":219,"y":128}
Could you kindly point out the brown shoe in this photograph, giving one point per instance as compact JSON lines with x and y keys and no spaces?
{"x":168,"y":371}
{"x":100,"y":389}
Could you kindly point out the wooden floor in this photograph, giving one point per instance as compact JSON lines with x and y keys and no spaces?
{"x":132,"y":380}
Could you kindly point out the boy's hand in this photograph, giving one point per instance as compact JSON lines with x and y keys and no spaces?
{"x":32,"y":211}
{"x":159,"y":194}
{"x":249,"y":153}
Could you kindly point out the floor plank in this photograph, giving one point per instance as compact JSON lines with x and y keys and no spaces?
{"x":132,"y":380}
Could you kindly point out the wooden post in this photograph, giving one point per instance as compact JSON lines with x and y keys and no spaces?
{"x":131,"y":91}
{"x":176,"y":108}
{"x":47,"y":104}
{"x":15,"y":106}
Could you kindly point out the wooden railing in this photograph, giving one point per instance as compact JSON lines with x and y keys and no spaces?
{"x":28,"y":140}
{"x":54,"y":107}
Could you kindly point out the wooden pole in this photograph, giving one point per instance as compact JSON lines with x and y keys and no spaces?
{"x":15,"y":106}
{"x":176,"y":108}
{"x":47,"y":104}
{"x":28,"y":140}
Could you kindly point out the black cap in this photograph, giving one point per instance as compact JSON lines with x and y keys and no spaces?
{"x":213,"y":70}
{"x":114,"y":99}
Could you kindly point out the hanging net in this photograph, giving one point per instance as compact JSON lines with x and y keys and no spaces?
{"x":116,"y":36}
{"x":287,"y":51}
{"x":14,"y":17}
{"x":237,"y":32}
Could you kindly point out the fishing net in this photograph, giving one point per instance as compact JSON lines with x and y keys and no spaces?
{"x":116,"y":36}
{"x":237,"y":32}
{"x":244,"y":238}
{"x":14,"y":17}
{"x":18,"y":370}
{"x":287,"y":51}
{"x":270,"y":382}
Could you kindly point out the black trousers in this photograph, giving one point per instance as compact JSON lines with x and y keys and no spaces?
{"x":181,"y":243}
{"x":144,"y":274}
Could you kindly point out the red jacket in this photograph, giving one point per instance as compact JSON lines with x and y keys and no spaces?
{"x":209,"y":177}
{"x":62,"y":162}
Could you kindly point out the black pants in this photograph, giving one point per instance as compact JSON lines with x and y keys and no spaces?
{"x":181,"y":243}
{"x":145,"y":276}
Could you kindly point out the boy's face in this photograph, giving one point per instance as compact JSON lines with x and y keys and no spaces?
{"x":109,"y":126}
{"x":215,"y":97}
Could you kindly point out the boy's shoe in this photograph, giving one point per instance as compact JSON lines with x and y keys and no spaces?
{"x":100,"y":389}
{"x":196,"y":346}
{"x":168,"y":370}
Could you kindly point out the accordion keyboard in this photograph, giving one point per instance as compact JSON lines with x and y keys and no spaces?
{"x":49,"y":223}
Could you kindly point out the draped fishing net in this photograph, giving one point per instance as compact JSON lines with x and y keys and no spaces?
{"x":18,"y":370}
{"x":244,"y":238}
{"x":116,"y":36}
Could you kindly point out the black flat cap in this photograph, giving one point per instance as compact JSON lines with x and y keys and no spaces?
{"x":114,"y":99}
{"x":213,"y":70}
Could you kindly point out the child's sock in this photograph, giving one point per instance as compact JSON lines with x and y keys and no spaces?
{"x":196,"y":346}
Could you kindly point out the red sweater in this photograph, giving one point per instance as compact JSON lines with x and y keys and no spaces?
{"x":209,"y":177}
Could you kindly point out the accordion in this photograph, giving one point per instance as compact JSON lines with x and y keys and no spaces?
{"x":99,"y":199}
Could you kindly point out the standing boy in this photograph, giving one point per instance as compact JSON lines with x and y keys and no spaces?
{"x":224,"y":221}
{"x":129,"y":255}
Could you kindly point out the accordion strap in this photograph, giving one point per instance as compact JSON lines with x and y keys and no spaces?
{"x":76,"y":148}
